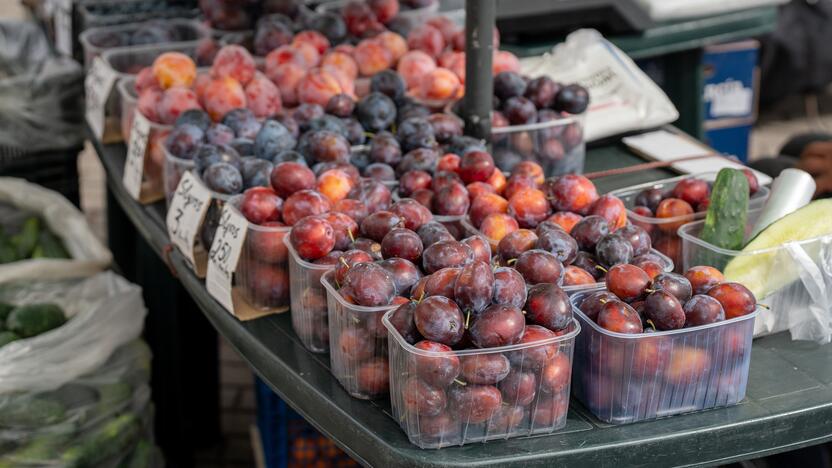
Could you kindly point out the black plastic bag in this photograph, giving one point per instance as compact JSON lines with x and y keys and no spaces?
{"x":41,"y":94}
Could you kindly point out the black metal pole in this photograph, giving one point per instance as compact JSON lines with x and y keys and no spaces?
{"x":479,"y":51}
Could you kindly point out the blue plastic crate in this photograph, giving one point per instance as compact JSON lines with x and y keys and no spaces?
{"x":732,"y":140}
{"x":730,"y":88}
{"x":288,"y":440}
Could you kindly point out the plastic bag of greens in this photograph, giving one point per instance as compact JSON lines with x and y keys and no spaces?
{"x":103,"y":418}
{"x":20,"y":200}
{"x":41,"y":94}
{"x":101,"y":313}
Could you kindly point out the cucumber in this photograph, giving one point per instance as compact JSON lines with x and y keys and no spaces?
{"x":5,"y":310}
{"x":7,"y":337}
{"x":49,"y":246}
{"x":727,"y":216}
{"x":32,"y":412}
{"x":8,"y":252}
{"x":26,"y":240}
{"x":40,"y":450}
{"x":142,"y":456}
{"x":763,"y":273}
{"x":33,"y":319}
{"x":110,"y":440}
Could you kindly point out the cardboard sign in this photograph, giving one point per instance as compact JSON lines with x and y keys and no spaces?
{"x":136,"y":149}
{"x":224,"y":256}
{"x":187,"y":209}
{"x":97,"y":86}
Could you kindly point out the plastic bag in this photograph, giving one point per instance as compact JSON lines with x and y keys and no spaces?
{"x":89,"y":255}
{"x":41,"y":95}
{"x":622,"y":97}
{"x":663,"y":10}
{"x":78,"y":395}
{"x":103,"y":418}
{"x":803,"y":306}
{"x":104,"y":312}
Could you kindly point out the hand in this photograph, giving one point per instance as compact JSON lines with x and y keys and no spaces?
{"x":816,"y":159}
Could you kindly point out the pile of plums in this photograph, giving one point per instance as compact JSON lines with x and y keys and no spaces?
{"x":519,"y":101}
{"x":659,"y":374}
{"x":450,"y":298}
{"x":561,"y":223}
{"x":636,"y":303}
{"x":661,"y":211}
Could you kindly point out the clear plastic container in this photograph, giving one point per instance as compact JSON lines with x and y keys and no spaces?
{"x":431,"y":421}
{"x":624,"y":378}
{"x":309,"y":302}
{"x":184,"y":32}
{"x":262,"y":275}
{"x":357,"y":344}
{"x":663,"y":230}
{"x":114,"y":12}
{"x":558,"y":145}
{"x":790,"y":279}
{"x":127,"y":62}
{"x":154,"y":160}
{"x":414,"y":15}
{"x":173,"y":171}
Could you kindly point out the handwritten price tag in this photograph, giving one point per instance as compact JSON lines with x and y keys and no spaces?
{"x":62,"y":18}
{"x":136,"y":147}
{"x":187,"y":210}
{"x":97,"y":86}
{"x":224,"y":255}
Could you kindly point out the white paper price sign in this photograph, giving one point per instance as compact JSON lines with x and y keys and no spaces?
{"x":187,"y":210}
{"x":62,"y":18}
{"x":136,"y":147}
{"x":97,"y":86}
{"x":224,"y":255}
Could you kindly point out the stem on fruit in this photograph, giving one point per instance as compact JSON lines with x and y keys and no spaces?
{"x":763,"y":306}
{"x":652,"y":325}
{"x":512,"y":261}
{"x":344,"y":261}
{"x":467,"y":318}
{"x":599,"y":267}
{"x":352,"y":237}
{"x":459,"y":382}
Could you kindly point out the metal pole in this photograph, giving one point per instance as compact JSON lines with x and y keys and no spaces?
{"x":479,"y":51}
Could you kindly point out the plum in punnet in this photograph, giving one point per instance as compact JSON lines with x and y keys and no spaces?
{"x":548,"y":305}
{"x":572,"y":193}
{"x":439,"y":319}
{"x":480,"y":247}
{"x":474,"y":287}
{"x":519,"y":387}
{"x":302,"y":204}
{"x":440,"y":369}
{"x":446,"y":254}
{"x":369,"y":285}
{"x":423,"y":399}
{"x":346,"y":229}
{"x":290,"y":177}
{"x":619,"y":317}
{"x":735,"y":298}
{"x":539,"y":266}
{"x":702,"y":310}
{"x":347,"y":260}
{"x":312,"y":237}
{"x":484,"y":369}
{"x":557,"y":242}
{"x":475,"y":403}
{"x":589,"y":231}
{"x":261,"y":205}
{"x":509,"y":287}
{"x":497,"y":325}
{"x":673,"y":283}
{"x":703,"y":278}
{"x":515,"y":243}
{"x":555,"y":375}
{"x":405,"y":274}
{"x":402,"y":243}
{"x":402,"y":320}
{"x":664,"y":310}
{"x":535,"y":357}
{"x":592,"y":304}
{"x":628,"y":282}
{"x":378,"y":224}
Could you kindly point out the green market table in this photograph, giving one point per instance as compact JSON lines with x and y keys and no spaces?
{"x":677,"y":47}
{"x":788,"y":404}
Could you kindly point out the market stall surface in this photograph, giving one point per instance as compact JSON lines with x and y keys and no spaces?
{"x":788,"y":403}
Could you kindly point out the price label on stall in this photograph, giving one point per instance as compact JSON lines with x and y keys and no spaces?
{"x":224,"y":255}
{"x":62,"y":23}
{"x":187,"y":210}
{"x":136,"y":148}
{"x":97,"y":86}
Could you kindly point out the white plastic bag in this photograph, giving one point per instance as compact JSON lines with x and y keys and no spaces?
{"x":803,"y":307}
{"x":663,"y":10}
{"x":89,"y":255}
{"x":622,"y":97}
{"x":104,"y":311}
